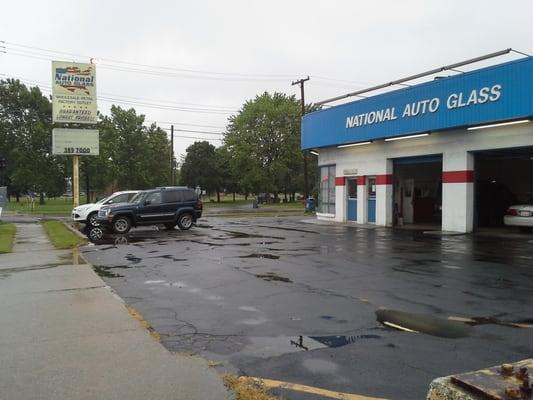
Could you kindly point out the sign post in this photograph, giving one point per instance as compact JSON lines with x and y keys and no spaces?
{"x":76,"y":180}
{"x":74,"y":101}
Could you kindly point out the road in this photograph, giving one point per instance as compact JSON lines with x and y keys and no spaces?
{"x":294,"y":300}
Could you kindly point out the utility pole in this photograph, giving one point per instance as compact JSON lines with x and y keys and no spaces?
{"x":171,"y":155}
{"x":301,"y":82}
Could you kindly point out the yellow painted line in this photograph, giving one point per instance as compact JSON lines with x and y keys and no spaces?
{"x":402,"y":328}
{"x":473,"y":321}
{"x":460,"y":319}
{"x":273,"y":384}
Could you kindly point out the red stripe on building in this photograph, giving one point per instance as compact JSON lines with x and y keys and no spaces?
{"x":457,"y":176}
{"x":384,"y":179}
{"x":361,"y":180}
{"x":340,"y":181}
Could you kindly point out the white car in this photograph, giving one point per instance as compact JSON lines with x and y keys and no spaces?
{"x":519,"y":215}
{"x":87,"y":213}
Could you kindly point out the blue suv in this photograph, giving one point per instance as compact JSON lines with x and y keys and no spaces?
{"x":169,"y":206}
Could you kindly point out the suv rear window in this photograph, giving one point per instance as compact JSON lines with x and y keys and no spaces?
{"x":189,"y":195}
{"x":172,"y":196}
{"x":179,"y":195}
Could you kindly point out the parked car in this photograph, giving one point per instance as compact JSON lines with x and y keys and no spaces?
{"x":87,"y":213}
{"x":170,"y":206}
{"x":520,"y":215}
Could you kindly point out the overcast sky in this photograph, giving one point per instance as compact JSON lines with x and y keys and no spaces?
{"x":205,"y":58}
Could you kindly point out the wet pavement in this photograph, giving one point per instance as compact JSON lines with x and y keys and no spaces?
{"x":371,"y":311}
{"x":60,"y":323}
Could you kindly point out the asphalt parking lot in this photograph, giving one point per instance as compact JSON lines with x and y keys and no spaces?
{"x":294,"y":300}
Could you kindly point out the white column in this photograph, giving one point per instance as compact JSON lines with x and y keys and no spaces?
{"x":384,"y":198}
{"x":340,"y":202}
{"x":362,"y":203}
{"x":384,"y":205}
{"x":457,"y":191}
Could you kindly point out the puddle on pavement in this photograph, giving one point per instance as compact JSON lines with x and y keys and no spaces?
{"x":339,"y":341}
{"x":286,"y":229}
{"x":271,"y":276}
{"x":72,"y":259}
{"x":107,"y":272}
{"x":6,"y":272}
{"x":133,"y":259}
{"x":206,"y":243}
{"x":170,"y":257}
{"x":265,"y":346}
{"x":99,"y":237}
{"x":237,"y":234}
{"x":421,"y":323}
{"x":261,"y":255}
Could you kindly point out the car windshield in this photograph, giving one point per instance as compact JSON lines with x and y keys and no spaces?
{"x":138,"y":197}
{"x":102,"y":200}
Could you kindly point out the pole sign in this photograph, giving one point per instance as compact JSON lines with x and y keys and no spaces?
{"x":73,"y":93}
{"x":75,"y":142}
{"x":3,"y":198}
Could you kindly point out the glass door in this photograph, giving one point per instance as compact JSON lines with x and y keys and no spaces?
{"x":352,"y":199}
{"x":371,"y":183}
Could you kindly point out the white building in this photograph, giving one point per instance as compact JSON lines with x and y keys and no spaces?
{"x":454,"y":152}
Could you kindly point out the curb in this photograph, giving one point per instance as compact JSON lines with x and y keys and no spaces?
{"x":75,"y":231}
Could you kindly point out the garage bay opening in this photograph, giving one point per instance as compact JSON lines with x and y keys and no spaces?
{"x":503,"y":177}
{"x":417,"y":191}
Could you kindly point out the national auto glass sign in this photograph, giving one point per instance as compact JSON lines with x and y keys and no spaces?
{"x":73,"y":92}
{"x":488,"y":95}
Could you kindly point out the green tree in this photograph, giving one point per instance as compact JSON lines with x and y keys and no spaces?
{"x":138,"y":157}
{"x":200,"y":168}
{"x":227,"y":181}
{"x":25,"y":140}
{"x":264,"y":142}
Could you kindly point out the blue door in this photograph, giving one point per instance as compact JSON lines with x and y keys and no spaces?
{"x":352,"y":199}
{"x":371,"y":182}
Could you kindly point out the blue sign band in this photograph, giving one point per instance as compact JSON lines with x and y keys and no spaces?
{"x":502,"y":92}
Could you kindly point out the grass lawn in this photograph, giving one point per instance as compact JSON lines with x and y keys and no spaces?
{"x":56,"y":206}
{"x":228,"y":202}
{"x":60,"y":236}
{"x":7,"y":234}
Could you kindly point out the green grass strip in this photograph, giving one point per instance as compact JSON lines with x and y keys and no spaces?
{"x":60,"y":236}
{"x":7,"y":235}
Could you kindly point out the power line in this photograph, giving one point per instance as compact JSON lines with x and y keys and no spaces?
{"x":184,"y":123}
{"x":193,"y":131}
{"x":350,"y":83}
{"x":117,"y":96}
{"x":107,"y":63}
{"x":194,"y":137}
{"x":160,"y":106}
{"x":154,"y":72}
{"x":285,"y":76}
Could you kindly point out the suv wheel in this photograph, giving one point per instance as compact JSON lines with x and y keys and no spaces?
{"x":121,"y":225}
{"x":91,"y":219}
{"x":185,"y":221}
{"x":95,"y":234}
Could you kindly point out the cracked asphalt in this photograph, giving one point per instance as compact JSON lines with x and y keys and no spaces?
{"x":295,"y":300}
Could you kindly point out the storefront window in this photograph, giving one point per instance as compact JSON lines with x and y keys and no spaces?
{"x":352,"y":188}
{"x":372,"y":187}
{"x":326,"y":197}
